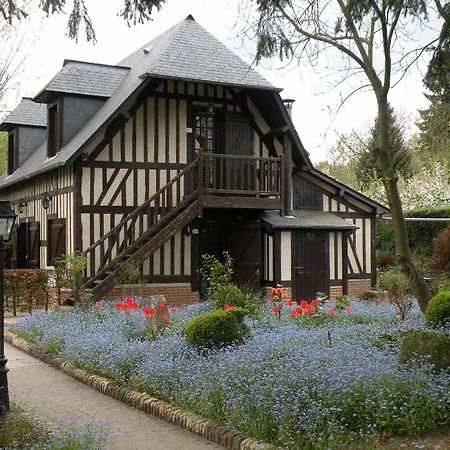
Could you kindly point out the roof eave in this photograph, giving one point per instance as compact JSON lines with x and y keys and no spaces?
{"x":380,"y":209}
{"x":146,"y":75}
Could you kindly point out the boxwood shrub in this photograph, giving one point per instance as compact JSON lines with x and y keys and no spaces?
{"x":217,"y":329}
{"x":426,"y":346}
{"x":438,"y":310}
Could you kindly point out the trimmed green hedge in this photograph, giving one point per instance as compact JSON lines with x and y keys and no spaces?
{"x":421,"y":234}
{"x":217,"y":329}
{"x":438,"y":310}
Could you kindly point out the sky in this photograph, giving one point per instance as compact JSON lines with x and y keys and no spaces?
{"x":45,"y":46}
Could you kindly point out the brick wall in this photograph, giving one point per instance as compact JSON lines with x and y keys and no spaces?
{"x":286,"y":293}
{"x":175,"y":293}
{"x":335,"y":291}
{"x":357,"y":288}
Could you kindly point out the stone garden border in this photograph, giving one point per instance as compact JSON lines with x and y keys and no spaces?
{"x":206,"y":428}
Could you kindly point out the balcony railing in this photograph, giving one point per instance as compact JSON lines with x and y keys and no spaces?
{"x":239,"y":175}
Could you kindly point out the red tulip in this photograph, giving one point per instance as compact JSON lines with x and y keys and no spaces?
{"x":289,"y":303}
{"x":165,"y":317}
{"x":348,"y":308}
{"x":162,"y":307}
{"x":314,"y":302}
{"x":331,"y":312}
{"x":276,"y":310}
{"x":172,"y":310}
{"x":148,"y":312}
{"x":275,"y":298}
{"x":304,"y":304}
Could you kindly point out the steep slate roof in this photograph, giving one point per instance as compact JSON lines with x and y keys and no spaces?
{"x":83,"y":78}
{"x":154,"y":59}
{"x":27,"y":113}
{"x":191,"y":53}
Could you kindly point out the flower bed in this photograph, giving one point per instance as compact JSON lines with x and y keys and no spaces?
{"x":299,"y":381}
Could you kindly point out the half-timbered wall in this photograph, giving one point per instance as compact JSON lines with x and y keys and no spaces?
{"x":361,"y":243}
{"x":142,"y":153}
{"x":58,"y":184}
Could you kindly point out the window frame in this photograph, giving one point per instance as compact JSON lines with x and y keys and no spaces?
{"x":54,"y":128}
{"x":13,"y":156}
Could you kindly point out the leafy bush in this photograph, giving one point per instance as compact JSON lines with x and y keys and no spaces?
{"x":217,"y":329}
{"x":440,"y":260}
{"x":438,"y":310}
{"x":397,"y":289}
{"x":128,"y":273}
{"x":426,"y":346}
{"x":385,"y":259}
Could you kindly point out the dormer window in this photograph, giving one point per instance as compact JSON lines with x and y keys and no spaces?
{"x":12,"y":152}
{"x":54,"y":130}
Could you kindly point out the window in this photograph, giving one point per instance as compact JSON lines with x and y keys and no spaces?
{"x":204,"y":132}
{"x":12,"y":152}
{"x":54,"y":135}
{"x":56,"y":240}
{"x":205,"y":141}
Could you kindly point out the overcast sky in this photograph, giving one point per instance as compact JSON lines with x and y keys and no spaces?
{"x":47,"y":46}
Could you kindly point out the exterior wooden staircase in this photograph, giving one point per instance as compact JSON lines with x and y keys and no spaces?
{"x":234,"y":182}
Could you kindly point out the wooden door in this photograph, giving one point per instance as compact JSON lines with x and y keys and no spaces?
{"x":56,"y":237}
{"x":245,"y":246}
{"x":238,"y":140}
{"x":310,"y":264}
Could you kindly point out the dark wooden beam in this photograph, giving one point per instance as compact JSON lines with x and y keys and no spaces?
{"x":240,"y":202}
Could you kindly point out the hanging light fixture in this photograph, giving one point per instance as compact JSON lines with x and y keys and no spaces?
{"x":46,"y":199}
{"x":21,"y":207}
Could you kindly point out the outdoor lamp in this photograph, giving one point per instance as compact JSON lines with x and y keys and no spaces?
{"x":46,"y":199}
{"x":21,"y":207}
{"x":7,"y":219}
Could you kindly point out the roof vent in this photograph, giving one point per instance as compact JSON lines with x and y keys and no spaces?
{"x":146,"y":51}
{"x":189,"y":17}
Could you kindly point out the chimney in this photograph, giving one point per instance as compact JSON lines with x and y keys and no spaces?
{"x":288,"y":105}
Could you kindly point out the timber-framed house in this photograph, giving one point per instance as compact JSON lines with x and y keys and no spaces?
{"x":181,"y":149}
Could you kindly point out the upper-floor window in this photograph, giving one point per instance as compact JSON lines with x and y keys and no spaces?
{"x":204,"y":132}
{"x":54,"y":130}
{"x":12,"y":152}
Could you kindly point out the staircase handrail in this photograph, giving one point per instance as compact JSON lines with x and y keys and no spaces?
{"x":141,"y":208}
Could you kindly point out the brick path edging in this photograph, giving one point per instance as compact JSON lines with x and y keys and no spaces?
{"x":206,"y":428}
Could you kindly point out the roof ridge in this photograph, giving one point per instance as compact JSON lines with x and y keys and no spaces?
{"x":114,"y":66}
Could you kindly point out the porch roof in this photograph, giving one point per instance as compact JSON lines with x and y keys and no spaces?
{"x":306,"y":220}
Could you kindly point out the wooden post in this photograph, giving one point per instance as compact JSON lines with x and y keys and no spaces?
{"x":200,"y":181}
{"x":287,"y":174}
{"x":345,"y":237}
{"x":282,"y":185}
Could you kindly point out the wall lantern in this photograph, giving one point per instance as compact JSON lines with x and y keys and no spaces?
{"x":46,"y":199}
{"x":21,"y":207}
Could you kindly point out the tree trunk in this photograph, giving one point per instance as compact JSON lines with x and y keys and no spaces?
{"x":418,"y":284}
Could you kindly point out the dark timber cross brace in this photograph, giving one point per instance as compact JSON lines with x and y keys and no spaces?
{"x":212,"y":179}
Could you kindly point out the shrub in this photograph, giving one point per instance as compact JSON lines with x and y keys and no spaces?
{"x":128,"y":273}
{"x":438,"y":310}
{"x":385,"y":259}
{"x":397,"y":289}
{"x":426,"y":346}
{"x":217,"y":329}
{"x":440,"y":259}
{"x":242,"y":298}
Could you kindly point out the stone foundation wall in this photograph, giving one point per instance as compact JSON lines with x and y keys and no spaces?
{"x":175,"y":293}
{"x":335,"y":291}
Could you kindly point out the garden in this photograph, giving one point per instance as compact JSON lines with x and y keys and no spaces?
{"x":311,"y":374}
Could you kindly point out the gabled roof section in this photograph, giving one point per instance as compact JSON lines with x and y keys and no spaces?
{"x":189,"y":52}
{"x":83,"y":78}
{"x":27,"y":113}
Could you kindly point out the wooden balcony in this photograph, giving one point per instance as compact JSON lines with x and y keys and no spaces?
{"x":238,"y":181}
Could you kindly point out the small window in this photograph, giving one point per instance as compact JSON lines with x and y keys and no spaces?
{"x":56,"y":240}
{"x":54,"y":138}
{"x":12,"y":152}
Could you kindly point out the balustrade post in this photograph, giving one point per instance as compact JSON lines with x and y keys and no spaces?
{"x":200,"y":180}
